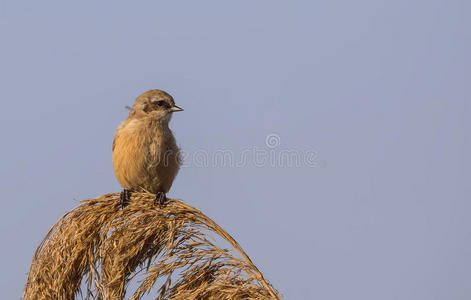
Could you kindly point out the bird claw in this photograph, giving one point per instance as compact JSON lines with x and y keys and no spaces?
{"x":124,"y":198}
{"x":160,"y":199}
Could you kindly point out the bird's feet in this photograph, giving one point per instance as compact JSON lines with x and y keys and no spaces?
{"x":160,"y":199}
{"x":124,"y":198}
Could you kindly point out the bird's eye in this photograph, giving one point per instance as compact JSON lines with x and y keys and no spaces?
{"x":160,"y":103}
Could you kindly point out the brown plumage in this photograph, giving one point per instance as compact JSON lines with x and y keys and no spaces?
{"x":145,"y":153}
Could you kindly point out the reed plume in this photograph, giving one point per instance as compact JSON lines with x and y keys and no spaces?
{"x":96,"y":249}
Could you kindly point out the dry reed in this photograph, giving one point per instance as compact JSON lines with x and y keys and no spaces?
{"x":96,"y":249}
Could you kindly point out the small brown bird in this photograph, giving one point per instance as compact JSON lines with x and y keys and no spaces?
{"x":145,"y":154}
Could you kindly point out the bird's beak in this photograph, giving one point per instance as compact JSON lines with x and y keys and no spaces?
{"x":176,"y":108}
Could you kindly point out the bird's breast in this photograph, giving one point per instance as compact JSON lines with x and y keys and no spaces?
{"x":145,"y":155}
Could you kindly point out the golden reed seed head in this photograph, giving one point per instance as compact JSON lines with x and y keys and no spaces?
{"x":108,"y":246}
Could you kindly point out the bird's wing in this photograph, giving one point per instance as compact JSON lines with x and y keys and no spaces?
{"x":114,"y":143}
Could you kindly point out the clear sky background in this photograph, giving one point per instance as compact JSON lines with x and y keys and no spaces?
{"x":379,"y":90}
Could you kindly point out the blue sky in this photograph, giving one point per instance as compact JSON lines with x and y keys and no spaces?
{"x":378,"y":90}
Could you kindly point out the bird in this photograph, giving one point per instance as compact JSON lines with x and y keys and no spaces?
{"x":146,"y":157}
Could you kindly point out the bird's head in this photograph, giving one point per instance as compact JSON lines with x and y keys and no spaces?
{"x":156,"y":104}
